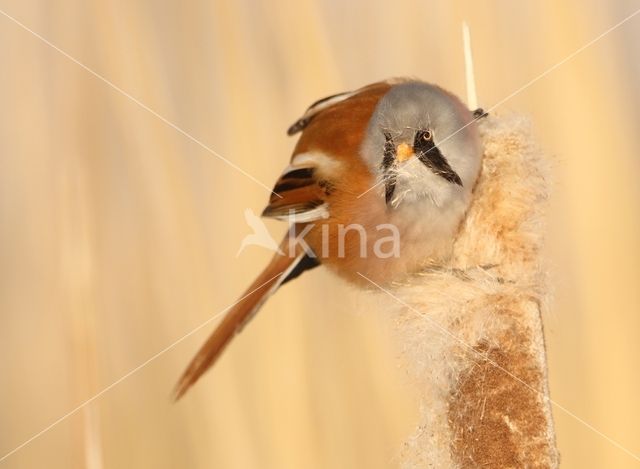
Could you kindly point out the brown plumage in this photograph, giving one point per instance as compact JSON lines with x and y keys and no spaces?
{"x":338,"y":131}
{"x":327,"y":187}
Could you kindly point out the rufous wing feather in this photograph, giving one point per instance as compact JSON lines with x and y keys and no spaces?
{"x":298,"y":196}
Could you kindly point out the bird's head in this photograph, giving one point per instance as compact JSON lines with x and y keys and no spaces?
{"x":422,"y":143}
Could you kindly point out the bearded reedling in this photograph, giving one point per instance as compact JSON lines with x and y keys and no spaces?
{"x":400,"y":153}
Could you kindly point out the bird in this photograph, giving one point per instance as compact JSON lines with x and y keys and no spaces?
{"x":376,"y":189}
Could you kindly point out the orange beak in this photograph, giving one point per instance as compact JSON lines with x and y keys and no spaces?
{"x":404,"y":152}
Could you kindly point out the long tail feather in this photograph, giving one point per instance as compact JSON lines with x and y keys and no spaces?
{"x":275,"y":274}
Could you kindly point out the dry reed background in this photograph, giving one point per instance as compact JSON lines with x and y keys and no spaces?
{"x":118,"y":234}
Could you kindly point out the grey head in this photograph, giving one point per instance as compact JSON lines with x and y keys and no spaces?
{"x":422,"y":143}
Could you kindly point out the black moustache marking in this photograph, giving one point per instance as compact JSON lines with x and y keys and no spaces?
{"x":389,"y":188}
{"x":388,"y":161}
{"x":429,"y":154}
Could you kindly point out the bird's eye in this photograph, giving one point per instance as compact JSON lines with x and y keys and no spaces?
{"x":427,"y":136}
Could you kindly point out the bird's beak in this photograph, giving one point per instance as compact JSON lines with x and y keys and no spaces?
{"x":404,"y":152}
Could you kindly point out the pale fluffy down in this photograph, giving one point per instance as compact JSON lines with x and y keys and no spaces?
{"x":470,"y":329}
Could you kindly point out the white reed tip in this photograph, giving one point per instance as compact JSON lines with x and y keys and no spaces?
{"x":472,"y":97}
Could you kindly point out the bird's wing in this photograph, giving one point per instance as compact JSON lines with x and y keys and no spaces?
{"x":281,"y":269}
{"x":299,"y":195}
{"x":326,"y":163}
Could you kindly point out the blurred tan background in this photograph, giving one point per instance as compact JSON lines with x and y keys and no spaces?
{"x":118,"y":234}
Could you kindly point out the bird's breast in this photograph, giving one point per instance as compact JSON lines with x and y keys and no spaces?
{"x":366,"y":239}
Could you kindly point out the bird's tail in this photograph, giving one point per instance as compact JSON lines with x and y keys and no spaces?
{"x":281,"y":269}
